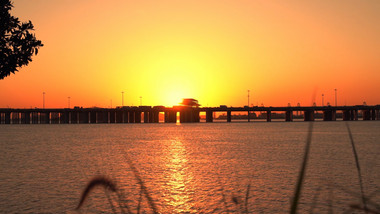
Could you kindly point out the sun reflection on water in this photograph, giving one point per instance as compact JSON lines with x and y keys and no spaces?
{"x":178,"y":178}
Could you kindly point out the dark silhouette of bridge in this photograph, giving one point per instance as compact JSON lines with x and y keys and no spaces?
{"x":149,"y":114}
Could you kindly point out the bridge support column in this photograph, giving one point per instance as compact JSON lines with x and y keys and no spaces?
{"x":346,"y":115}
{"x":146,"y":116}
{"x":209,"y":116}
{"x":182,"y":117}
{"x":327,"y":115}
{"x":41,"y":118}
{"x":112,"y":114}
{"x":7,"y":118}
{"x":156,"y":116}
{"x":249,"y":119}
{"x":377,"y":114}
{"x":92,"y":116}
{"x":308,"y":115}
{"x":84,"y":117}
{"x":229,"y":118}
{"x":373,"y":114}
{"x":35,"y":118}
{"x":63,"y":117}
{"x":170,"y":116}
{"x":173,"y":116}
{"x":356,"y":114}
{"x":119,"y":116}
{"x":47,"y":117}
{"x":25,"y":118}
{"x":1,"y":117}
{"x":166,"y":117}
{"x":289,"y":116}
{"x":74,"y":117}
{"x":15,"y":118}
{"x":131,"y":117}
{"x":102,"y":116}
{"x":195,"y":116}
{"x":125,"y":116}
{"x":151,"y":116}
{"x":366,"y":114}
{"x":54,"y":117}
{"x":269,"y":116}
{"x":137,"y":116}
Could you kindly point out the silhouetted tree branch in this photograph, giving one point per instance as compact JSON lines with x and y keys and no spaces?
{"x":18,"y":44}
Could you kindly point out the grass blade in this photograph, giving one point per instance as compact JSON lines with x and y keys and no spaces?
{"x":357,"y":167}
{"x":97,"y":181}
{"x":142,"y":185}
{"x":297,"y":192}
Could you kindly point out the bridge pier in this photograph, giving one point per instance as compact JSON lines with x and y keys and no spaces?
{"x":112,"y":113}
{"x":92,"y":116}
{"x":25,"y":117}
{"x":47,"y":117}
{"x":173,"y":116}
{"x":209,"y":116}
{"x":84,"y":117}
{"x":229,"y":118}
{"x":182,"y":117}
{"x":63,"y":117}
{"x":269,"y":116}
{"x":373,"y":114}
{"x":35,"y":118}
{"x":249,"y":119}
{"x":146,"y":116}
{"x":125,"y":116}
{"x":329,"y":115}
{"x":7,"y":118}
{"x":151,"y":116}
{"x":187,"y":116}
{"x":15,"y":118}
{"x":166,"y":117}
{"x":366,"y":114}
{"x":137,"y":116}
{"x":308,"y":115}
{"x":102,"y":116}
{"x":346,"y":115}
{"x":131,"y":116}
{"x":74,"y":117}
{"x":156,"y":116}
{"x":377,"y":114}
{"x":119,"y":116}
{"x":54,"y":118}
{"x":289,"y":116}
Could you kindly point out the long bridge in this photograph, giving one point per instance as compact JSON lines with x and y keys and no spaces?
{"x":149,"y":114}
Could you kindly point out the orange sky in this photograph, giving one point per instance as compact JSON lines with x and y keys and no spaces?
{"x":214,"y":51}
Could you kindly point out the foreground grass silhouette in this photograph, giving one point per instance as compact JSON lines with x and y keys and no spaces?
{"x":242,"y":207}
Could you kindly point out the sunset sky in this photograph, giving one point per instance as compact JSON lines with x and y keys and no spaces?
{"x":213,"y":51}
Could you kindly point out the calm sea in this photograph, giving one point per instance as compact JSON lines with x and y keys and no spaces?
{"x":188,"y":168}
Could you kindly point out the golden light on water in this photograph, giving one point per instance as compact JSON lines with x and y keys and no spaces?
{"x":178,"y":178}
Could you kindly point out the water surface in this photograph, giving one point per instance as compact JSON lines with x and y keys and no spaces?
{"x":189,"y":168}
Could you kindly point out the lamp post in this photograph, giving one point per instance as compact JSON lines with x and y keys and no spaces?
{"x":43,"y":99}
{"x":122,"y":98}
{"x":323,"y":100}
{"x":248,"y":97}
